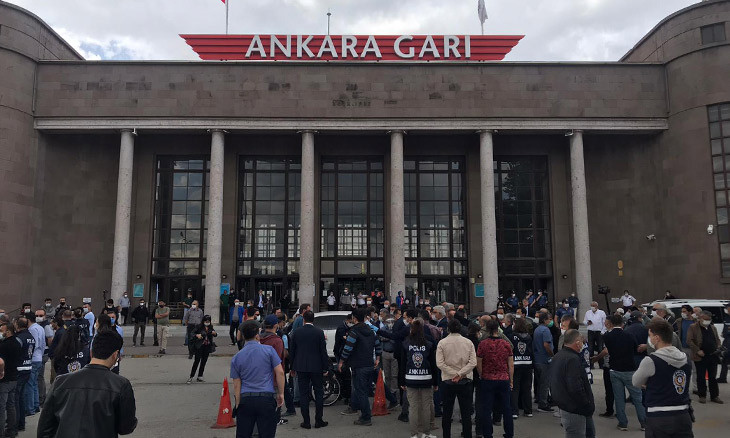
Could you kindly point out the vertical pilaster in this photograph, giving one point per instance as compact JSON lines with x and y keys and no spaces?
{"x":397,"y":250}
{"x":215,"y":227}
{"x":120,"y":261}
{"x":581,"y":244}
{"x":489,"y":221}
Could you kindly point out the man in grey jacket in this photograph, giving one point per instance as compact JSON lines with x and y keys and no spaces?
{"x":192,"y":319}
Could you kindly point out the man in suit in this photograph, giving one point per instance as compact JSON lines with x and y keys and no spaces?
{"x":308,"y":351}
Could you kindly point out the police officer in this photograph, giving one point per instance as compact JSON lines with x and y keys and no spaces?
{"x":665,"y":375}
{"x":27,"y":346}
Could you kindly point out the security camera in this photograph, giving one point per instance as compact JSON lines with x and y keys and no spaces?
{"x":710,"y":229}
{"x":651,"y":237}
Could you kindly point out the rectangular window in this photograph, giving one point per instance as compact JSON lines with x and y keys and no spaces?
{"x":714,"y":33}
{"x":719,"y":118}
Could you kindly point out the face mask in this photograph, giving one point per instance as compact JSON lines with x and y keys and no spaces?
{"x":651,"y":344}
{"x":552,"y":323}
{"x":126,"y":296}
{"x":193,"y":306}
{"x":2,"y":314}
{"x":63,"y":303}
{"x":594,"y":308}
{"x":86,"y":310}
{"x":2,"y":336}
{"x":685,"y":316}
{"x":518,"y":316}
{"x":572,"y":295}
{"x":349,"y":324}
{"x":49,"y":304}
{"x":141,"y":304}
{"x":654,"y":313}
{"x":562,"y":331}
{"x":206,"y":324}
{"x":114,"y":321}
{"x":706,"y":323}
{"x":694,"y":316}
{"x":500,"y":316}
{"x":566,"y":305}
{"x":39,"y":319}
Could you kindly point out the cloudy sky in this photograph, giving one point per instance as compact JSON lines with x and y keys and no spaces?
{"x":555,"y":30}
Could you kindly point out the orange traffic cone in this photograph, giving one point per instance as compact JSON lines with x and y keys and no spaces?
{"x":379,"y":407}
{"x":225,"y":413}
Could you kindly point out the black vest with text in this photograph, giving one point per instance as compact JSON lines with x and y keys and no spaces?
{"x":667,"y":391}
{"x":521,"y":348}
{"x":27,"y":345}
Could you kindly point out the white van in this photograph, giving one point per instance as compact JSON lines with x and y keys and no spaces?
{"x":716,"y":307}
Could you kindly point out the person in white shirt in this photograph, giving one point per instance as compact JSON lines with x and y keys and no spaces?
{"x":628,"y":301}
{"x":331,"y":301}
{"x":595,"y":320}
{"x":360,"y":300}
{"x":89,"y":316}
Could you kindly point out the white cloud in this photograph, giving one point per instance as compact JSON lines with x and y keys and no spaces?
{"x":555,"y":30}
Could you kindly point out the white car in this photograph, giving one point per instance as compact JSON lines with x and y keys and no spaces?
{"x":716,"y":307}
{"x":329,"y":321}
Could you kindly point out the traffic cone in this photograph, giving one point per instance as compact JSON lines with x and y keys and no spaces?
{"x":379,"y":407}
{"x":225,"y":413}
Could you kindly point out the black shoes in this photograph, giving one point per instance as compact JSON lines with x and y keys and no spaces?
{"x":305,"y":426}
{"x":319,"y":424}
{"x":360,"y":422}
{"x":606,"y":414}
{"x":403,"y":418}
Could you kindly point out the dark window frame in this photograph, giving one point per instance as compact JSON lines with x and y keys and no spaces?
{"x":719,"y":134}
{"x":713,"y":33}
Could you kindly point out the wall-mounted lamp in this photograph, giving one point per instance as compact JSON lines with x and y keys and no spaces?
{"x":224,"y":276}
{"x":138,"y":277}
{"x":710,"y":229}
{"x":564,"y":276}
{"x":479,"y":276}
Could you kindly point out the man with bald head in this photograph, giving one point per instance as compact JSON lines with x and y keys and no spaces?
{"x":595,"y":320}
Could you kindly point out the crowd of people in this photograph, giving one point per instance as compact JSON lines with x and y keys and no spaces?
{"x":84,"y":352}
{"x":498,"y":365}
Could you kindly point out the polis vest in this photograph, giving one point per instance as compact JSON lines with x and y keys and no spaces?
{"x":521,"y":348}
{"x":418,"y":364}
{"x":667,"y":390}
{"x":27,"y":345}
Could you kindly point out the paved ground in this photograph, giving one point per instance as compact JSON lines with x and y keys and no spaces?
{"x":167,"y":407}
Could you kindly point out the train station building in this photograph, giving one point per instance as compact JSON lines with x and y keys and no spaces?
{"x":456,"y":178}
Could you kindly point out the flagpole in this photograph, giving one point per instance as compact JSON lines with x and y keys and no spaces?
{"x":227,"y":2}
{"x":482,"y":28}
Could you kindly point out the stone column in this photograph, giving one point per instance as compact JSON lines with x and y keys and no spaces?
{"x":307,"y":290}
{"x":581,"y":244}
{"x":397,"y":250}
{"x":120,"y":262}
{"x":215,"y":227}
{"x":489,"y":221}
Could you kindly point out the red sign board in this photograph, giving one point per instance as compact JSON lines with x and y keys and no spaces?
{"x":353,"y":47}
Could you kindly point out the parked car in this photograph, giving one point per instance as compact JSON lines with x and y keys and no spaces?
{"x":717,"y":307}
{"x":329,"y":321}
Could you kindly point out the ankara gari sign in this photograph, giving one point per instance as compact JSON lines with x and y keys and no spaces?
{"x":353,"y":47}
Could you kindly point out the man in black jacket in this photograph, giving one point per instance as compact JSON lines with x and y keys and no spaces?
{"x":92,"y":402}
{"x":310,"y":361}
{"x":570,"y":388}
{"x":10,"y":353}
{"x":140,"y":314}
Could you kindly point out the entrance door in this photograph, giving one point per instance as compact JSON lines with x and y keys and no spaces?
{"x":437,"y":289}
{"x":274,"y":289}
{"x":173,"y":290}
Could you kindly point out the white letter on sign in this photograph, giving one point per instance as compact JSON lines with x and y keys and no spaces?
{"x":302,"y":46}
{"x":286,"y":51}
{"x":451,"y":43}
{"x":327,"y":46}
{"x":396,"y":47}
{"x":256,"y":46}
{"x":348,"y":46}
{"x":467,"y":42}
{"x":371,"y":46}
{"x":429,"y":46}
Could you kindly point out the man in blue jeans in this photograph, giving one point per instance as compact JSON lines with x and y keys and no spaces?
{"x":621,"y":346}
{"x":358,"y":352}
{"x":39,"y":334}
{"x":253,"y":370}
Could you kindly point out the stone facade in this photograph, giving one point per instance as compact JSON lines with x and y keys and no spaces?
{"x":58,"y":191}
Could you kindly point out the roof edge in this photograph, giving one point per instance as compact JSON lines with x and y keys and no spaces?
{"x":701,"y":4}
{"x":46,"y":25}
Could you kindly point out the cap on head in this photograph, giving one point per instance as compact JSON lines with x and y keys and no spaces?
{"x":271,"y":320}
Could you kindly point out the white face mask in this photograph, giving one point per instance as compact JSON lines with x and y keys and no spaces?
{"x":2,"y":336}
{"x":594,"y":308}
{"x":706,"y":323}
{"x":500,"y":316}
{"x":562,"y":331}
{"x":566,"y":305}
{"x":193,"y":306}
{"x":650,"y":344}
{"x":654,"y":313}
{"x":39,"y":319}
{"x":518,"y":316}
